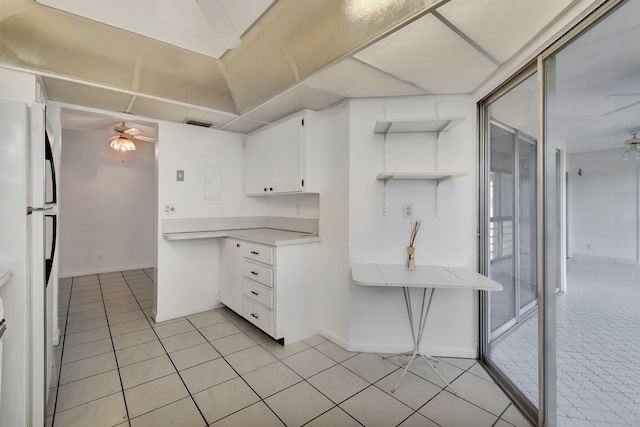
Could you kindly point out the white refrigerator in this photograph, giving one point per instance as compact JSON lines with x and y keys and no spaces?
{"x":27,"y":249}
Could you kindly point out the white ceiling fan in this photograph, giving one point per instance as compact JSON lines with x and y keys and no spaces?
{"x":125,"y":137}
{"x":637,"y":95}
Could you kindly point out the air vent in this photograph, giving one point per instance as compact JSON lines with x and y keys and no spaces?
{"x":197,"y":122}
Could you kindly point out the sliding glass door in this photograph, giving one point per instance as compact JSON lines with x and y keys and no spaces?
{"x":554,"y":105}
{"x":512,"y":225}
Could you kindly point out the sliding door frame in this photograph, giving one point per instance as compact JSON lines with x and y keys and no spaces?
{"x":544,"y":65}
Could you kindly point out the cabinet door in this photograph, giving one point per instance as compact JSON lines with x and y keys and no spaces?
{"x":231,"y":274}
{"x":286,"y":154}
{"x":256,"y":163}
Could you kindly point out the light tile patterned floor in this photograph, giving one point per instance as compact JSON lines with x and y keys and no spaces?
{"x":116,"y":367}
{"x":598,"y":346}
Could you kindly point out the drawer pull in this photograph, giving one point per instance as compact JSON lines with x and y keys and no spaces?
{"x":254,"y":273}
{"x":254,"y":315}
{"x":255,"y":253}
{"x":255,"y":293}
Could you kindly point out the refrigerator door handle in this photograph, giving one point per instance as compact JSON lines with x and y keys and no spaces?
{"x":49,"y":258}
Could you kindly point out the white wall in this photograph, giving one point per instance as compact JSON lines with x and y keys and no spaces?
{"x":332,"y":302}
{"x":107,"y":206}
{"x":377,"y":318}
{"x":603,"y":206}
{"x":188,"y":270}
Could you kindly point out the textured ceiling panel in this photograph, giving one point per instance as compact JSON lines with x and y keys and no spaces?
{"x":502,"y":27}
{"x":80,"y":94}
{"x":177,"y":113}
{"x":295,"y":38}
{"x":82,"y":120}
{"x":180,"y":23}
{"x":354,"y":79}
{"x":169,"y":72}
{"x":257,"y":70}
{"x":45,"y":39}
{"x":243,"y":126}
{"x":316,"y":33}
{"x":292,"y":101}
{"x":430,"y":55}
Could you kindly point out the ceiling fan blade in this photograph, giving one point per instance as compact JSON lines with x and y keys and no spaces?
{"x":622,"y":94}
{"x":143,"y":138}
{"x":132,"y":131}
{"x":622,"y":108}
{"x":121,"y":128}
{"x":113,"y":138}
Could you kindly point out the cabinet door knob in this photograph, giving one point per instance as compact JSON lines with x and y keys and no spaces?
{"x":255,"y":293}
{"x":237,"y":245}
{"x":254,"y":315}
{"x":265,"y":188}
{"x":270,"y":188}
{"x":254,"y":273}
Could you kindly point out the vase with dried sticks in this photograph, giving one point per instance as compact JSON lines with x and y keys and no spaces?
{"x":411,"y":250}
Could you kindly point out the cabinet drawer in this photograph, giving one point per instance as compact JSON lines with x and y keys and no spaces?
{"x":257,"y":292}
{"x":256,"y":252}
{"x":257,"y":272}
{"x":257,"y":314}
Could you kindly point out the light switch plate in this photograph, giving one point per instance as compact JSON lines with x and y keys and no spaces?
{"x":179,"y":175}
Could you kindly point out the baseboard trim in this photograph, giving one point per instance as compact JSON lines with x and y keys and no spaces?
{"x":338,"y":340}
{"x":163,"y":317}
{"x":585,"y":257}
{"x":464,"y":353}
{"x":102,"y":271}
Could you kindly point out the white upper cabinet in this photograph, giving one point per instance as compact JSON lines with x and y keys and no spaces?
{"x":256,"y":163}
{"x":276,"y":157}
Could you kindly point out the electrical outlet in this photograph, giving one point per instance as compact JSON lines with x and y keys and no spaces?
{"x":99,"y":257}
{"x":407,"y":211}
{"x":179,"y":175}
{"x":170,"y":209}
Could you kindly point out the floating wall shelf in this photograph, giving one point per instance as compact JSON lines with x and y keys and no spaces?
{"x":440,"y":124}
{"x":434,"y":176}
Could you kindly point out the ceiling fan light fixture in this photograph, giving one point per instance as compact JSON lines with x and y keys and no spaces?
{"x":633,"y":147}
{"x":122,"y":144}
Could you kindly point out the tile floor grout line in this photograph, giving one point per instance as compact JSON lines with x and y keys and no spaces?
{"x":64,"y":342}
{"x":238,"y":376}
{"x":124,"y":398}
{"x":174,"y":367}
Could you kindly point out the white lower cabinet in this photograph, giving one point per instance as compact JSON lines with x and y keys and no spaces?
{"x":275,"y":287}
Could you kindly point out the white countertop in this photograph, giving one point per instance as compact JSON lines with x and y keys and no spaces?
{"x":265,"y":236}
{"x":4,"y":277}
{"x":424,"y":276}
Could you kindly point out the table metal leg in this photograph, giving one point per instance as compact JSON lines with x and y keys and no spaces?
{"x":417,"y":338}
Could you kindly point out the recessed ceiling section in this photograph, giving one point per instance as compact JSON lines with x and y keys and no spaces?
{"x":159,"y":109}
{"x":81,"y":94}
{"x":243,"y":126}
{"x":45,"y":39}
{"x":185,"y":24}
{"x":430,"y":55}
{"x":355,"y":79}
{"x":502,"y":27}
{"x":291,"y":101}
{"x":169,"y":72}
